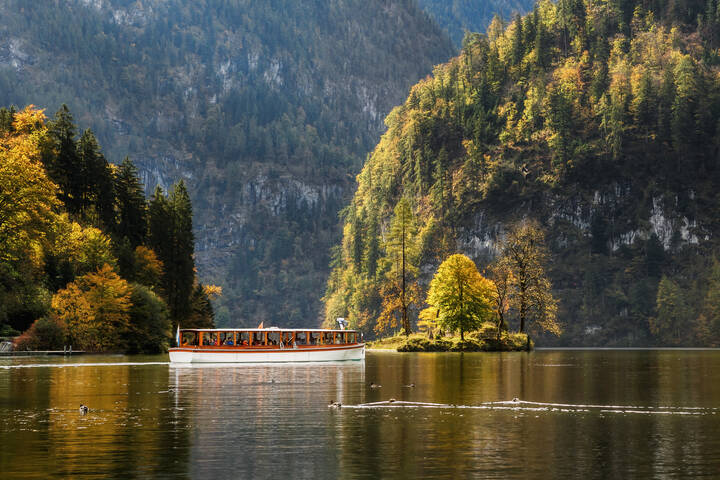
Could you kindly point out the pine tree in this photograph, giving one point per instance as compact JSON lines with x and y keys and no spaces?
{"x":518,"y":49}
{"x":172,"y":239}
{"x":64,"y":169}
{"x":184,"y":240}
{"x":402,"y":256}
{"x":95,"y":187}
{"x":131,"y":204}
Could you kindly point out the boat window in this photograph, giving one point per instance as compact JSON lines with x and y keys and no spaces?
{"x":339,"y":338}
{"x":226,"y":338}
{"x":210,"y":338}
{"x":352,"y":337}
{"x":301,"y":338}
{"x":189,"y":338}
{"x":287,"y":339}
{"x":258,"y":338}
{"x":315,"y":338}
{"x":243,"y":338}
{"x":273,"y":338}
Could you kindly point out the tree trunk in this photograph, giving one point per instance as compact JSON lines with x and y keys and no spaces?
{"x":405,"y":322}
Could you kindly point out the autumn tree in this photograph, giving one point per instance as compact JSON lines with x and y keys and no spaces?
{"x":524,"y":255}
{"x":400,"y":289}
{"x":503,"y":280}
{"x":27,"y":195}
{"x":27,"y":212}
{"x":462,"y":298}
{"x":95,"y":308}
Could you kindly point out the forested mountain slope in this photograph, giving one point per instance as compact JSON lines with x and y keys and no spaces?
{"x":459,"y":16}
{"x":266,"y":108}
{"x":599,"y":120}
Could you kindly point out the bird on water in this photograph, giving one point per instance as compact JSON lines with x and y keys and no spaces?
{"x":335,"y":404}
{"x":411,"y":385}
{"x":83,"y":409}
{"x":375,"y":385}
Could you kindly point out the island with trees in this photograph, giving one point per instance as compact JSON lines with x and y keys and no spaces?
{"x":460,"y":300}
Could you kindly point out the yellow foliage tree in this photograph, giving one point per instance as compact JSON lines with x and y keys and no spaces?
{"x":148,"y":267}
{"x":27,"y":195}
{"x":463,"y":298}
{"x":95,"y":308}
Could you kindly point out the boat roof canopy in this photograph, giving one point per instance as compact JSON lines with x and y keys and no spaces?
{"x":271,"y":329}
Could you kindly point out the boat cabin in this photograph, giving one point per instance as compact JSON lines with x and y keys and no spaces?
{"x":266,"y":338}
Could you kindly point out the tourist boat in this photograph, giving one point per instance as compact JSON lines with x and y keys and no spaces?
{"x":262,"y":345}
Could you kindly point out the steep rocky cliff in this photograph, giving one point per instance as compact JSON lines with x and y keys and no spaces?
{"x":599,"y":122}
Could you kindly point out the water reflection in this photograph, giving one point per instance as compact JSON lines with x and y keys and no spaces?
{"x":582,"y":413}
{"x":127,"y":433}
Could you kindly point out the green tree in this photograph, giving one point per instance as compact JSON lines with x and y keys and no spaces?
{"x":672,"y":325}
{"x":150,"y":328}
{"x":64,"y":166}
{"x":463,"y":298}
{"x":710,"y":310}
{"x":172,"y":239}
{"x":97,"y":204}
{"x":131,"y":204}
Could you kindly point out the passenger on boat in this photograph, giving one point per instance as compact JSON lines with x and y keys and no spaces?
{"x":229,"y":341}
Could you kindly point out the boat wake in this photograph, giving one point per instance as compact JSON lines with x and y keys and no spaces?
{"x":527,"y":406}
{"x":70,"y":365}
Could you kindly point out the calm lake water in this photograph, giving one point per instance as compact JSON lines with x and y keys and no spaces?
{"x":595,"y":414}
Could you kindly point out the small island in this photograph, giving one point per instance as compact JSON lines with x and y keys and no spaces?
{"x":483,"y":340}
{"x":459,"y":309}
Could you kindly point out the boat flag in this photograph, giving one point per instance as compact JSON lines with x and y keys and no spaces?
{"x":177,"y":336}
{"x":262,"y":324}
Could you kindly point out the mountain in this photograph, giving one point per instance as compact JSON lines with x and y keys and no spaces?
{"x":266,"y":109}
{"x":460,"y":16}
{"x":597,"y":121}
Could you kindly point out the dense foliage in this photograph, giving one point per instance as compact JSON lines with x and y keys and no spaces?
{"x":596,"y":119}
{"x":266,"y":109}
{"x":74,"y":230}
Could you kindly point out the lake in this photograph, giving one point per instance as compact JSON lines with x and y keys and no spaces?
{"x":579,"y":414}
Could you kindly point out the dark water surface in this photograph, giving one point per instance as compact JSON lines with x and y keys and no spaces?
{"x":595,"y":414}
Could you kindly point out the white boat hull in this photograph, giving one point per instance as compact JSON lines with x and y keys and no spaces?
{"x":229,"y":355}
